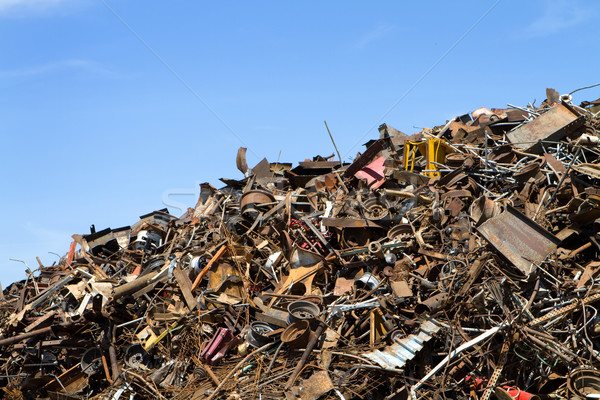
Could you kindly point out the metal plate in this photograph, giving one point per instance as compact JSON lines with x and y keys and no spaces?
{"x":519,"y":239}
{"x":553,"y":125}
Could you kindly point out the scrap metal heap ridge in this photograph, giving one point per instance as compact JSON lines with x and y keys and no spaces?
{"x":460,"y":262}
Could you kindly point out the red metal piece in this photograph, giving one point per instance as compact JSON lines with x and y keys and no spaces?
{"x":71,"y":254}
{"x":475,"y":381}
{"x":218,"y":346}
{"x":518,"y":394}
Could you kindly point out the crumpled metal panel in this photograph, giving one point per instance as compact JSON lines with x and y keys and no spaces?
{"x":405,"y":349}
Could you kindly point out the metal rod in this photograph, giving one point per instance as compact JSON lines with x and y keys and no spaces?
{"x":27,"y":335}
{"x":274,"y":358}
{"x":333,"y":141}
{"x":234,"y":369}
{"x":563,"y":178}
{"x":485,"y":132}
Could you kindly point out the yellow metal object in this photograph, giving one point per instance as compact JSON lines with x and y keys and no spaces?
{"x":433,"y":149}
{"x":153,"y":339}
{"x":378,"y":329}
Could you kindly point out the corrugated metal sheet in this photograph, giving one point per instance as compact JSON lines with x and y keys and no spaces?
{"x":397,"y":354}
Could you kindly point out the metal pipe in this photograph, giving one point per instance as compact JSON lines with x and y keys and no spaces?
{"x":27,"y":335}
{"x":134,"y":286}
{"x":114,"y":366}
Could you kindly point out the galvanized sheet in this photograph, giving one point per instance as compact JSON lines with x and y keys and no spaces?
{"x":405,"y":349}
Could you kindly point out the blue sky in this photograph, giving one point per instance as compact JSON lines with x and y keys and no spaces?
{"x":107,"y":107}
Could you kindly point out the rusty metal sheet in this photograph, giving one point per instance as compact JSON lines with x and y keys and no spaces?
{"x":557,"y":166}
{"x":262,"y":169}
{"x":316,"y":386}
{"x":552,"y":125}
{"x":401,"y":289}
{"x":519,"y":239}
{"x":342,"y":286}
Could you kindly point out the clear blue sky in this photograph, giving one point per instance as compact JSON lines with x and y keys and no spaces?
{"x":97,"y":126}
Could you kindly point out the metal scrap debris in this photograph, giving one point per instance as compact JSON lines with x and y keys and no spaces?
{"x":459,"y":262}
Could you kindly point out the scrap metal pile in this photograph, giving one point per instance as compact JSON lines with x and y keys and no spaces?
{"x":457,"y":263}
